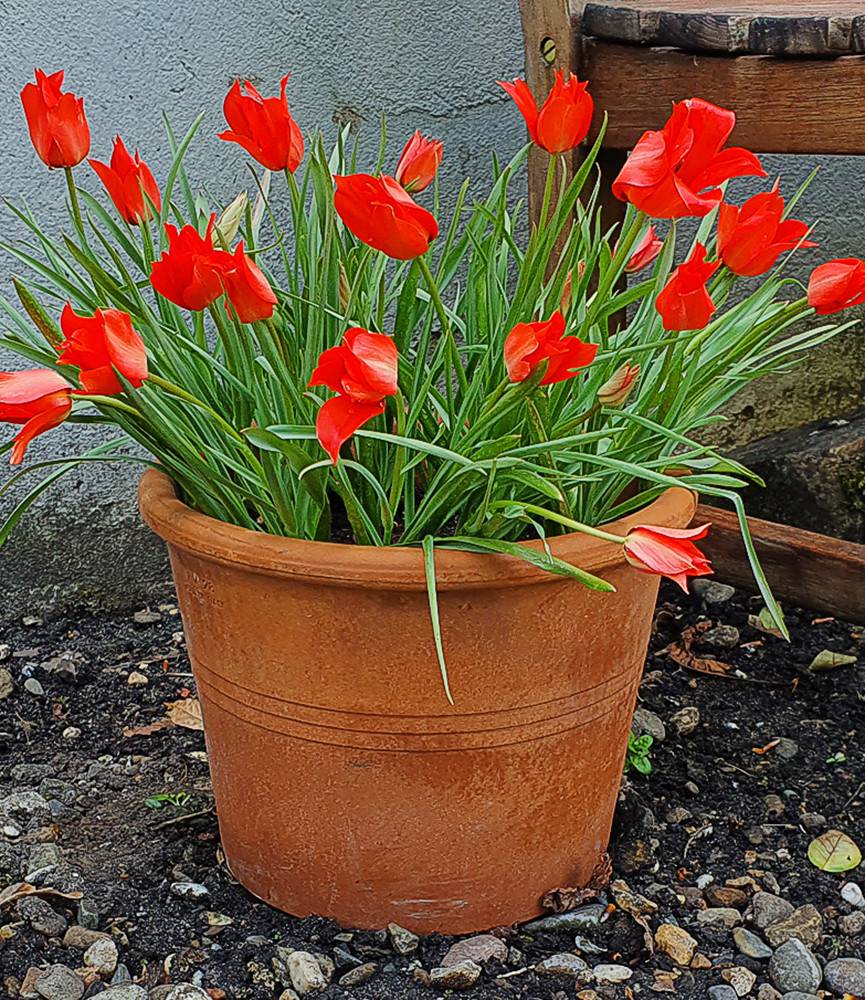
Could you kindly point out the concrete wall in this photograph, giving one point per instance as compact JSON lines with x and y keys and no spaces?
{"x":429,"y":65}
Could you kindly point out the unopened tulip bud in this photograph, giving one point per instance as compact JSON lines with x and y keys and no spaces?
{"x":567,"y":293}
{"x":344,"y":289}
{"x":616,"y":390}
{"x":228,"y":224}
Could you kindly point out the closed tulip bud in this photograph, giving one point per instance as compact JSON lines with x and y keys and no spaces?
{"x":129,"y":183}
{"x":567,"y":294}
{"x":344,"y":287}
{"x":616,"y":390}
{"x":419,"y":163}
{"x":228,"y":224}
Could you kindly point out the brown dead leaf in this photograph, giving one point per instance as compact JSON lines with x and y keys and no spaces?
{"x":148,"y":730}
{"x":186,"y":712}
{"x":681,"y":652}
{"x":18,"y":890}
{"x":566,"y":899}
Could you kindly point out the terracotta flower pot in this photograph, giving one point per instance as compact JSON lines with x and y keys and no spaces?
{"x":345,"y":783}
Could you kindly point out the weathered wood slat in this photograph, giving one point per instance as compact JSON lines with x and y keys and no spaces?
{"x":810,"y":106}
{"x":804,"y":569}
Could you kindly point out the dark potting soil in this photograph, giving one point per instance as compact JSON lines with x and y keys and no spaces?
{"x":126,"y":801}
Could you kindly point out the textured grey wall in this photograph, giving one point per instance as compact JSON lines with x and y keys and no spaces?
{"x":430,"y":65}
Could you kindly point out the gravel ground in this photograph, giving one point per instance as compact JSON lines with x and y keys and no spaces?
{"x":112,"y":881}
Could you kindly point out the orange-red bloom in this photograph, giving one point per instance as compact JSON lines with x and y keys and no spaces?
{"x":563,"y":120}
{"x":684,"y":302}
{"x":529,"y":344}
{"x":102,"y":345}
{"x":836,"y":285}
{"x":380,"y":213}
{"x":363,"y":371}
{"x":190,"y":272}
{"x":263,"y":126}
{"x":248,"y":290}
{"x":645,"y":251}
{"x":39,"y":399}
{"x":668,"y":552}
{"x":619,"y":386}
{"x":129,"y":183}
{"x":676,"y":171}
{"x":58,"y":128}
{"x":419,"y":163}
{"x":751,"y":238}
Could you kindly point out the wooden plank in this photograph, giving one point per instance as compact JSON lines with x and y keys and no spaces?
{"x":804,"y":569}
{"x":782,"y":105}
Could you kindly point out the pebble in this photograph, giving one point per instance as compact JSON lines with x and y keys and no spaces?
{"x":741,"y":979}
{"x":306,"y":974}
{"x":354,"y":977}
{"x":102,"y":956}
{"x":130,"y":991}
{"x":565,"y":963}
{"x":786,"y":749}
{"x":612,"y":973}
{"x":712,"y":591}
{"x":646,"y":723}
{"x":146,"y":617}
{"x":42,"y":916}
{"x":767,"y":908}
{"x":404,"y":942}
{"x":71,"y":733}
{"x":726,"y":896}
{"x":7,"y":685}
{"x":793,"y":967}
{"x":723,"y":636}
{"x":24,"y":806}
{"x":804,"y":923}
{"x":32,"y":686}
{"x":750,"y":944}
{"x":190,"y":890}
{"x":852,"y":924}
{"x":767,"y":992}
{"x":456,"y":977}
{"x":715,"y":916}
{"x":675,"y":942}
{"x":722,"y":992}
{"x":481,"y":948}
{"x":88,"y":915}
{"x":813,"y":822}
{"x":846,"y":975}
{"x":584,"y":918}
{"x":686,"y":720}
{"x":852,"y":894}
{"x":137,"y":679}
{"x":59,"y":983}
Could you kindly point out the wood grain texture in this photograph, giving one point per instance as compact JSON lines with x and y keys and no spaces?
{"x":804,"y":569}
{"x":782,"y":105}
{"x":756,"y":28}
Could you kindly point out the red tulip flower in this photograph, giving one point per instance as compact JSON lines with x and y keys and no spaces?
{"x":58,"y":128}
{"x":39,"y":399}
{"x":646,"y":250}
{"x":836,"y":285}
{"x":263,"y":126}
{"x":419,"y":163}
{"x":668,"y":552}
{"x":564,"y":119}
{"x":751,"y":238}
{"x":363,"y":371}
{"x":190,"y":272}
{"x":248,"y":290}
{"x":530,"y":344}
{"x":380,"y":213}
{"x":684,"y":302}
{"x":129,"y":183}
{"x":676,"y":172}
{"x":102,"y":345}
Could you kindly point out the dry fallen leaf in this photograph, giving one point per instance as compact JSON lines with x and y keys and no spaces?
{"x":148,"y":730}
{"x":828,"y":659}
{"x":19,"y":890}
{"x":566,"y":899}
{"x":681,"y":652}
{"x":834,"y":851}
{"x":186,"y":712}
{"x":764,"y":622}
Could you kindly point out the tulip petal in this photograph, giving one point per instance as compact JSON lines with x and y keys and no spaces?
{"x":339,"y":418}
{"x":56,"y":411}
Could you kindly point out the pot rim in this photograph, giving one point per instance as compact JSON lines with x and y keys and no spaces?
{"x":384,"y":567}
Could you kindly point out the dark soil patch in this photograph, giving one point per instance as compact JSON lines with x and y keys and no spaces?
{"x":703,"y":811}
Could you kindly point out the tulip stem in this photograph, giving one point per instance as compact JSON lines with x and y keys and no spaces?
{"x":548,"y":189}
{"x":569,"y":522}
{"x":76,"y":207}
{"x":175,"y":390}
{"x":447,"y":331}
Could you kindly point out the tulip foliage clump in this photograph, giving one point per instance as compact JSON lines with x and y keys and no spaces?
{"x":331,"y":355}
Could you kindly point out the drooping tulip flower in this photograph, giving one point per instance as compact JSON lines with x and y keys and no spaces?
{"x":836,"y":285}
{"x":263,"y":126}
{"x":530,"y":344}
{"x":684,"y":302}
{"x":419,"y":163}
{"x":380,"y":213}
{"x":646,"y":250}
{"x":129,"y":183}
{"x":39,"y":399}
{"x":102,"y":345}
{"x":190,"y":272}
{"x":565,"y":116}
{"x":667,"y":552}
{"x":247,"y":288}
{"x":363,"y":371}
{"x":751,"y":238}
{"x":58,"y":127}
{"x":619,"y":386}
{"x":676,"y":171}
